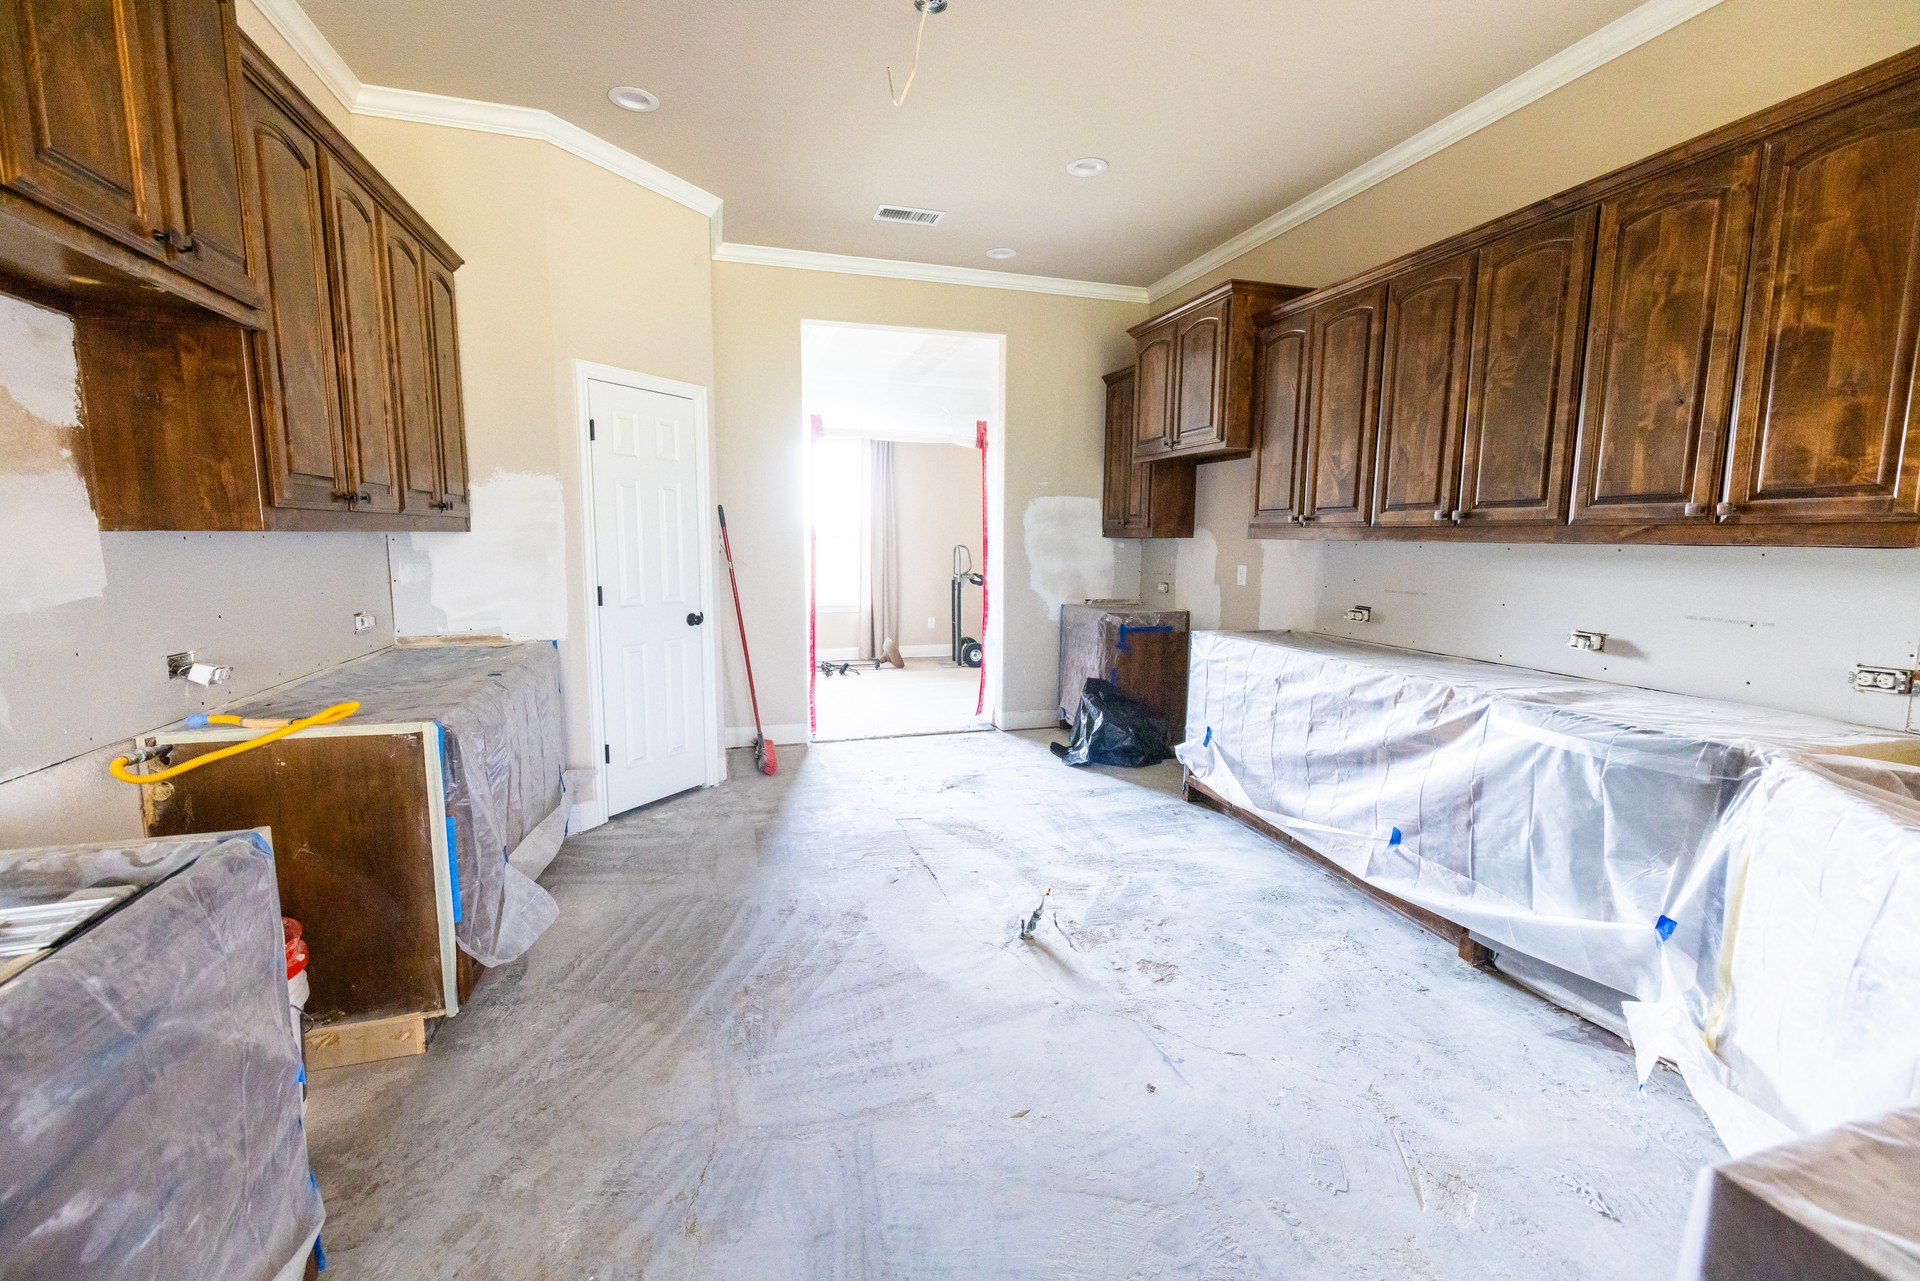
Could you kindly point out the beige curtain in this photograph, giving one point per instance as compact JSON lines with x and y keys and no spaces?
{"x":881,"y":635}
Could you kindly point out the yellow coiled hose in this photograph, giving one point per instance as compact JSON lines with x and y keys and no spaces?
{"x":338,"y":712}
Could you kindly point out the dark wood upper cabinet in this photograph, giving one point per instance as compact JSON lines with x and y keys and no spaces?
{"x":1530,"y":303}
{"x":1280,"y":417}
{"x":78,"y":114}
{"x":1195,"y":394}
{"x":197,"y":45}
{"x":1423,"y":393}
{"x":1825,"y":425}
{"x":299,"y":387}
{"x":1140,"y":500}
{"x":1342,"y":397}
{"x":353,"y":224}
{"x":449,"y":409}
{"x":410,"y":364}
{"x":1669,"y":277}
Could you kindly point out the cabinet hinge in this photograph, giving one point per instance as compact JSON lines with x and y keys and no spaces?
{"x":608,"y":749}
{"x":599,"y":595}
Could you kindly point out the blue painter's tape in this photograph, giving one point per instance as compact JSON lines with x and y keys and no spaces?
{"x":198,"y":720}
{"x":319,"y":1256}
{"x":1209,"y":738}
{"x":259,"y":843}
{"x":301,"y":1079}
{"x":453,"y":848}
{"x":1394,"y":837}
{"x":1665,"y":927}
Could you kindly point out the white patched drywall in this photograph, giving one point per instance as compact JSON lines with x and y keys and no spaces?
{"x":50,"y":538}
{"x":1068,"y":557}
{"x":507,"y":577}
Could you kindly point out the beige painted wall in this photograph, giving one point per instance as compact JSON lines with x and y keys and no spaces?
{"x":939,"y":506}
{"x":1769,"y":632}
{"x":1057,"y":348}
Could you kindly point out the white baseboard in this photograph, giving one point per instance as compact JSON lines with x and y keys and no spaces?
{"x":1048,"y":719}
{"x":926,"y":651}
{"x":742,"y":735}
{"x":586,"y":816}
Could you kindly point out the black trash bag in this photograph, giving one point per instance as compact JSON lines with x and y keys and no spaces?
{"x":1111,"y":727}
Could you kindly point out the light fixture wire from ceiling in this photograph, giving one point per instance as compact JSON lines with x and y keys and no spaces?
{"x":927,"y":9}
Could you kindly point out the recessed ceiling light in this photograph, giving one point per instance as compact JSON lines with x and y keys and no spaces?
{"x":1087,"y":167}
{"x":1000,"y":255}
{"x":632,"y":99}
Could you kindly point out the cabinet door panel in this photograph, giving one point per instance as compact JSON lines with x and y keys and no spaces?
{"x":1423,"y":393}
{"x":410,"y":367}
{"x":449,"y":413}
{"x":300,"y":410}
{"x":1153,"y":395}
{"x":1522,"y":395}
{"x":1122,"y":499}
{"x":199,"y":61}
{"x":1669,"y":278}
{"x":1342,"y":400}
{"x":1200,"y":372}
{"x":76,"y":108}
{"x":354,"y":226}
{"x":1824,"y":428}
{"x":1280,"y":385}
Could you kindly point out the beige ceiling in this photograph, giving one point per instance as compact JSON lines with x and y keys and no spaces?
{"x":1213,"y":113}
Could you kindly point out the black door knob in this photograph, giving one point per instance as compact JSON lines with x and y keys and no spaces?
{"x":694,"y":620}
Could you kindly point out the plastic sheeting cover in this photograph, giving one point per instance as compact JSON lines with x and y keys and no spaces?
{"x":1593,"y":827}
{"x":149,"y":1081}
{"x":500,"y":707}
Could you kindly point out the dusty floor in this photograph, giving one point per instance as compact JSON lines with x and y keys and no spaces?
{"x":785,"y":1029}
{"x":926,"y":697}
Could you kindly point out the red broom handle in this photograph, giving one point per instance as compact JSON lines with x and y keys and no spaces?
{"x":726,"y":545}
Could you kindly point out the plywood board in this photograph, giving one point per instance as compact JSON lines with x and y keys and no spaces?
{"x":365,"y":1041}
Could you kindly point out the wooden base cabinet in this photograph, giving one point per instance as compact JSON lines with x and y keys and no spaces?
{"x":1140,"y":500}
{"x":1716,"y":346}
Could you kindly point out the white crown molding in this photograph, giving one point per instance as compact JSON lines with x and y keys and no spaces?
{"x":530,"y":122}
{"x":297,"y":29}
{"x":929,"y":272}
{"x":1622,"y":35}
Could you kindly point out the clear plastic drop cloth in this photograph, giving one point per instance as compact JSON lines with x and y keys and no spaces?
{"x":149,"y":1080}
{"x":1595,"y":827}
{"x":500,"y":709}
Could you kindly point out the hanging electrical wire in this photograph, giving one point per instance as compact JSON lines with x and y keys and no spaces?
{"x":927,"y":9}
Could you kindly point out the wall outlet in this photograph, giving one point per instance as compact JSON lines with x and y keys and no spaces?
{"x":1882,"y":680}
{"x":1592,"y":642}
{"x":932,"y":623}
{"x":362,"y":622}
{"x":1360,"y":614}
{"x":1163,"y":587}
{"x":177,"y":664}
{"x":1240,"y":575}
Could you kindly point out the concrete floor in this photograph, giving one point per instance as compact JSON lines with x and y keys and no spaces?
{"x":927,"y":696}
{"x":785,"y":1029}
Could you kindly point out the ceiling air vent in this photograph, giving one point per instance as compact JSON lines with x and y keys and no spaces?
{"x":901,"y":213}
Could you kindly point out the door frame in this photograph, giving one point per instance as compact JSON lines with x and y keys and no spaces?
{"x":585,"y":372}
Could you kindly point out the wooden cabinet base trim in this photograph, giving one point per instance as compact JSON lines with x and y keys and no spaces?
{"x":1711,"y":534}
{"x":351,"y":1041}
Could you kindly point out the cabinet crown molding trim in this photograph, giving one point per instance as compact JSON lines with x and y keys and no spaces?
{"x":934,"y":273}
{"x":1623,"y":35}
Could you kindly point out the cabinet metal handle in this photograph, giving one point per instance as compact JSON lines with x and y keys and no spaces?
{"x":1724,"y":510}
{"x":443,"y":504}
{"x":1443,"y":514}
{"x":694,"y":620}
{"x":175,"y":241}
{"x":343,"y":496}
{"x":1459,"y":514}
{"x":364,"y":497}
{"x":1694,"y":509}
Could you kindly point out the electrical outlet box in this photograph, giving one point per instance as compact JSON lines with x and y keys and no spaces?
{"x":1882,"y":680}
{"x":177,"y":664}
{"x":1360,"y":614}
{"x":362,"y":622}
{"x":1240,"y":575}
{"x":1163,"y":587}
{"x":1592,"y":642}
{"x":933,"y":624}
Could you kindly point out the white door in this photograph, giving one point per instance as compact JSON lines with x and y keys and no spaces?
{"x":650,"y":527}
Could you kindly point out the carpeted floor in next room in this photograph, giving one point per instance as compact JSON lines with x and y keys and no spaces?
{"x":785,"y":1028}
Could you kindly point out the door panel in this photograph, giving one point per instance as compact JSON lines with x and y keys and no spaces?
{"x":1200,"y":371}
{"x":651,"y":541}
{"x":359,"y":329}
{"x":1342,"y":400}
{"x":410,"y":374}
{"x":1123,"y":499}
{"x":1423,"y":393}
{"x":1826,"y":400}
{"x":300,"y":409}
{"x":197,"y":57}
{"x":1280,"y":418}
{"x":1670,"y":272}
{"x":1153,"y":396}
{"x":1522,"y":395}
{"x":75,"y":104}
{"x":449,"y":408}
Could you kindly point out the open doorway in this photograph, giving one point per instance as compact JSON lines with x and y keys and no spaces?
{"x":900,"y":437}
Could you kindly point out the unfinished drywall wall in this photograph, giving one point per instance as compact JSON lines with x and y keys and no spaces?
{"x":1777,"y":628}
{"x":1068,"y":559}
{"x":1056,"y":350}
{"x":563,"y":262}
{"x":87,"y":619}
